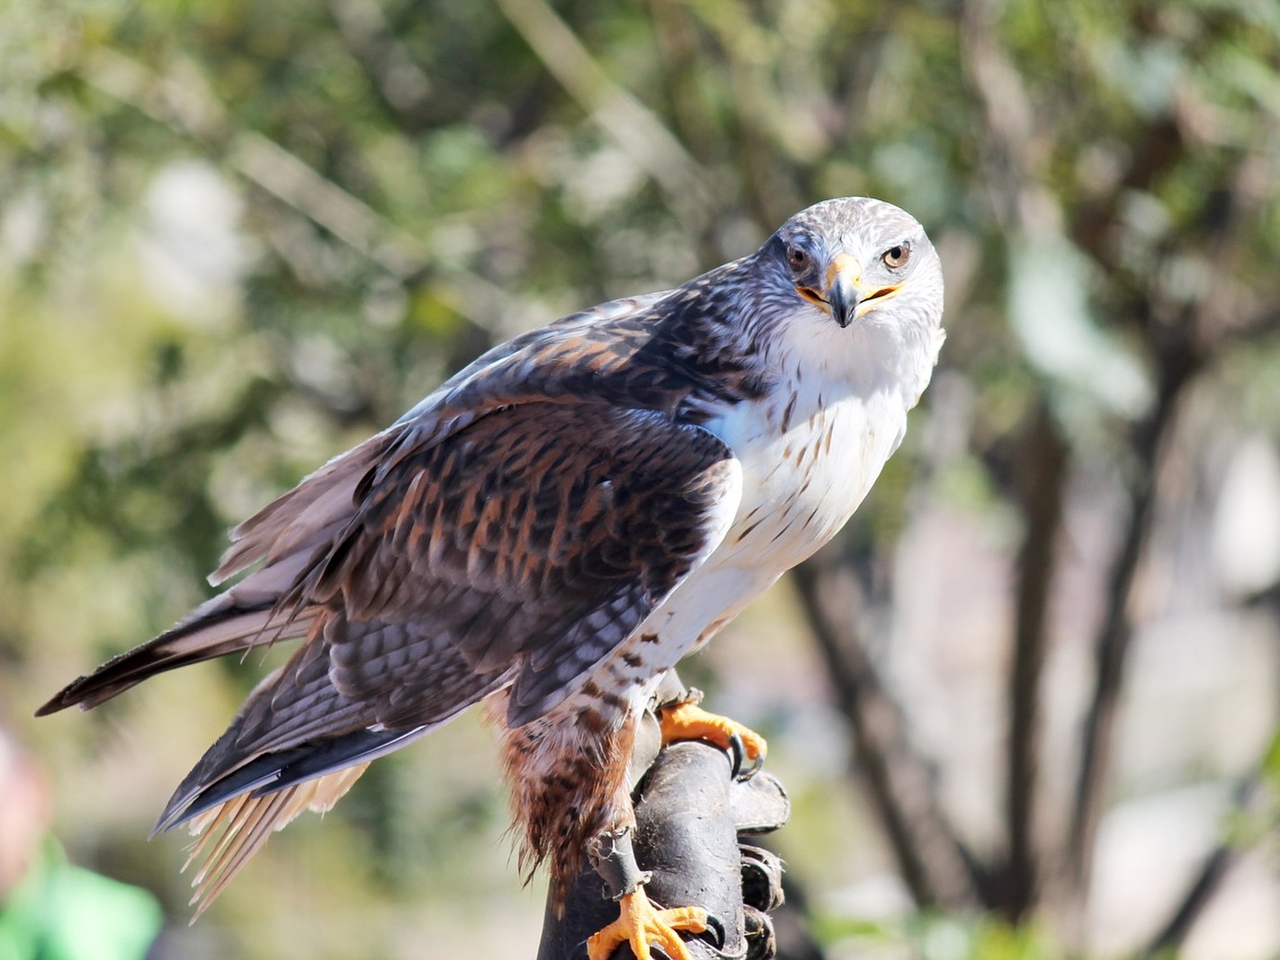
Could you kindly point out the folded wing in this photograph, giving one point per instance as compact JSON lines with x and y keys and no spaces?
{"x":518,"y":550}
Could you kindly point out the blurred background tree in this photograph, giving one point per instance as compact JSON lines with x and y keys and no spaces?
{"x":1027,"y":705}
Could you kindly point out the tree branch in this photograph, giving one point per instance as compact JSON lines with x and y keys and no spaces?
{"x":1182,"y":345}
{"x":632,"y":125}
{"x":934,"y":863}
{"x":1041,"y":474}
{"x":399,"y":81}
{"x":188,"y":107}
{"x":1112,"y":644}
{"x":1013,"y":153}
{"x":1208,"y":879}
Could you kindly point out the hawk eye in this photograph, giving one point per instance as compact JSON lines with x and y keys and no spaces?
{"x":798,"y":258}
{"x":896,"y":255}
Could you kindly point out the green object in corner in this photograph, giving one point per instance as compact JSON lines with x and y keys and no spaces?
{"x":64,"y":912}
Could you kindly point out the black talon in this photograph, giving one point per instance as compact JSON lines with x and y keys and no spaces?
{"x":737,"y":755}
{"x":738,"y":758}
{"x":715,"y":927}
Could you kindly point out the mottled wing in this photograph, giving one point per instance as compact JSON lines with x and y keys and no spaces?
{"x":291,"y":531}
{"x":519,"y":551}
{"x":538,"y":538}
{"x":285,"y":536}
{"x":321,"y":505}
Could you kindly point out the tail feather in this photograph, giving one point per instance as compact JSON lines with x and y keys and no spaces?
{"x":275,"y":772}
{"x":232,"y":832}
{"x":287,"y":535}
{"x":243,"y":617}
{"x":233,"y":800}
{"x":299,"y":742}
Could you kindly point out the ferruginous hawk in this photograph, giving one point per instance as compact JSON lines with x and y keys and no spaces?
{"x":553,"y":529}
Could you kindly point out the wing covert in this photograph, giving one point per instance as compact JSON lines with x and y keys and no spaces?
{"x":539,"y":537}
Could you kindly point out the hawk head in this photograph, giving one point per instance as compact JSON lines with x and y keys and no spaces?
{"x":854,"y":282}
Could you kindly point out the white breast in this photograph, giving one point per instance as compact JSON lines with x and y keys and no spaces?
{"x":805,"y":472}
{"x":810,"y":449}
{"x":806,"y":466}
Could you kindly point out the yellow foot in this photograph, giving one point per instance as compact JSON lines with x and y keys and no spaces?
{"x":688,"y":721}
{"x":640,"y":924}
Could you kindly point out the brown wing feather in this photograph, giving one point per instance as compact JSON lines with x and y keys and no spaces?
{"x":514,"y":527}
{"x":287,"y":533}
{"x":295,"y":523}
{"x":323,"y":502}
{"x":528,"y":546}
{"x":540,"y":535}
{"x":520,"y":550}
{"x":246,"y":616}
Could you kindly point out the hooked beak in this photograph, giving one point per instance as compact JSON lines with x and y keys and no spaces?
{"x":843,"y":293}
{"x":844,"y":297}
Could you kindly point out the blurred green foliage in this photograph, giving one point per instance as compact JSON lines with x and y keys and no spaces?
{"x":237,"y":237}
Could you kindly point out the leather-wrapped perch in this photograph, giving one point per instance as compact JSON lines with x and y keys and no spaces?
{"x":691,"y":815}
